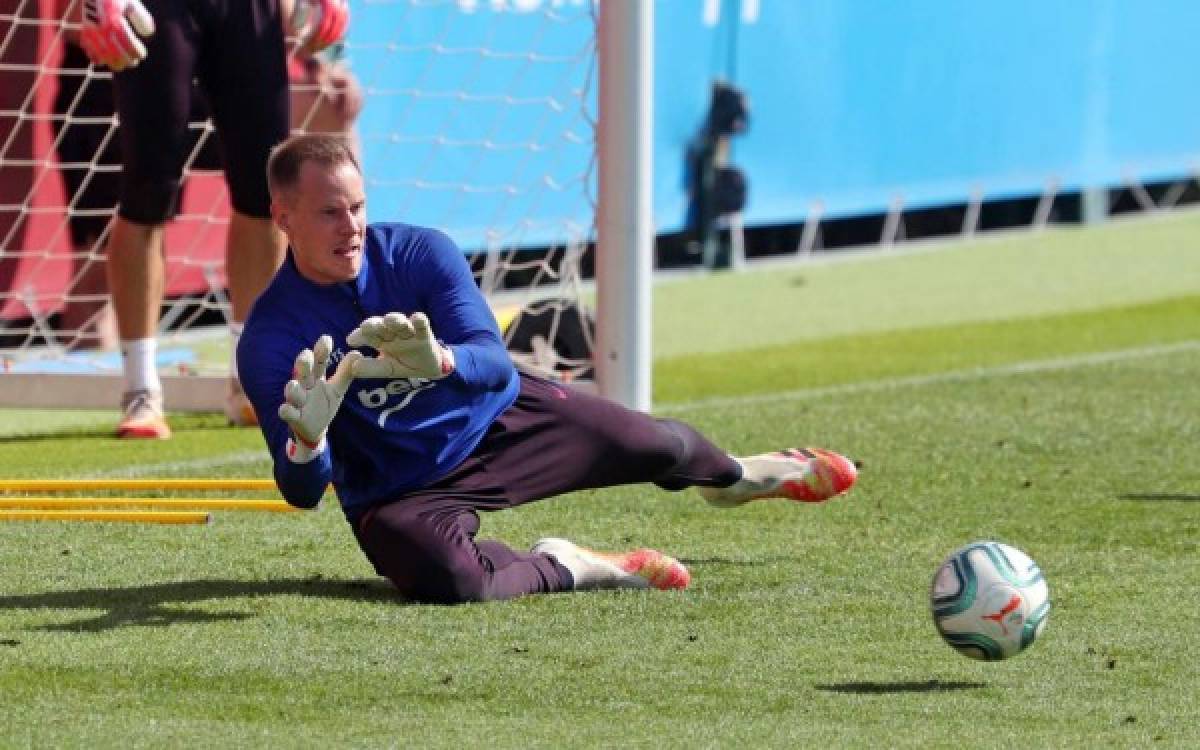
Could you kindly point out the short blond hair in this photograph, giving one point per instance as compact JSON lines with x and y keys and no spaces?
{"x":289,"y":156}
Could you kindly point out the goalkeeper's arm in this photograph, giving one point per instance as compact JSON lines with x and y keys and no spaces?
{"x":462,"y":317}
{"x":303,"y":485}
{"x":454,"y":336}
{"x":296,"y":429}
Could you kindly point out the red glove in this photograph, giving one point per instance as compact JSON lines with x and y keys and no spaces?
{"x":320,"y":23}
{"x":107,"y":36}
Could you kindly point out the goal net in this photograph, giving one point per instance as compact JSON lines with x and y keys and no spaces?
{"x":477,"y":117}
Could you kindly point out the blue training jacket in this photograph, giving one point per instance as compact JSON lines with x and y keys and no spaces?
{"x":389,"y":436}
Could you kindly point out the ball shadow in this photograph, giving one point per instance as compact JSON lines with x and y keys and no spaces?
{"x":1177,"y":497}
{"x":903,"y":686}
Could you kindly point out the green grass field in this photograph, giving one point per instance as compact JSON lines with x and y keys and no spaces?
{"x":1036,"y":389}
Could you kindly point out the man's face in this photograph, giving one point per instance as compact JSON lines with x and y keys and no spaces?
{"x":324,"y":217}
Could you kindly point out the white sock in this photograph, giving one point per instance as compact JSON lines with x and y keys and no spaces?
{"x":141,"y":370}
{"x":235,"y":335}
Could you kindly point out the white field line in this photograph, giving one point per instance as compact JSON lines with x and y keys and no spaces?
{"x":916,"y":381}
{"x":202,"y":465}
{"x":196,"y":466}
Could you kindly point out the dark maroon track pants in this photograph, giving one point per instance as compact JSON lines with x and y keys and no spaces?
{"x":552,"y":440}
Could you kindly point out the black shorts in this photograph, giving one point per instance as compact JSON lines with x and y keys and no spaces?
{"x":89,"y":145}
{"x":235,"y":50}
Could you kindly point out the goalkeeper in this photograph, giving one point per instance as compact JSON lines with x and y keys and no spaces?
{"x":374,"y":362}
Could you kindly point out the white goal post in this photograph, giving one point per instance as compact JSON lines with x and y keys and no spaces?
{"x":624,"y":214}
{"x":520,"y":127}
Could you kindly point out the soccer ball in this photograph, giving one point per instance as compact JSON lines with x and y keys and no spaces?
{"x":989,"y":600}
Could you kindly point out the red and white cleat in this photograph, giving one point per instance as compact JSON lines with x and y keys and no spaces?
{"x":638,"y":569}
{"x":807,"y":475}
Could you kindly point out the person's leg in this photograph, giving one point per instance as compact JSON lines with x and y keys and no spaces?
{"x":569,"y":440}
{"x":426,"y":547}
{"x":556,"y":439}
{"x":153,"y":102}
{"x":136,"y":278}
{"x":249,"y":105}
{"x":254,"y":249}
{"x":87,"y":317}
{"x":552,"y":440}
{"x":136,"y":269}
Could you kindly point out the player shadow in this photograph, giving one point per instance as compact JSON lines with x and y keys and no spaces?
{"x":51,"y":435}
{"x":162,"y":604}
{"x":1178,"y":497}
{"x":901,"y":686}
{"x":103,"y":431}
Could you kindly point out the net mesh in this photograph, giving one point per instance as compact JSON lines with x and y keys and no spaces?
{"x":473,"y":117}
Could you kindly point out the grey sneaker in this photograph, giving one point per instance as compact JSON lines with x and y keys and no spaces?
{"x":143,"y":416}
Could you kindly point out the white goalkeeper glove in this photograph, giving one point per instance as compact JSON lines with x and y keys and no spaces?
{"x":108,"y":37}
{"x":311,"y":400}
{"x":319,"y":23}
{"x":406,"y":346}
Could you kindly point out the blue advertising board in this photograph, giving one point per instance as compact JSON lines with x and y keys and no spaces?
{"x":480,"y":111}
